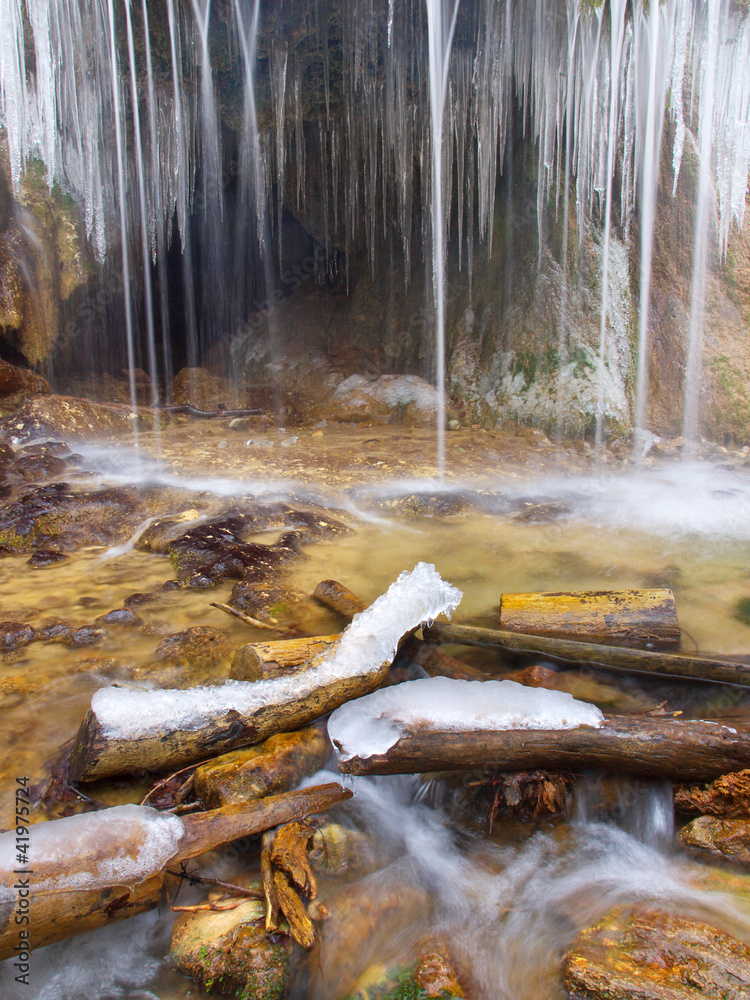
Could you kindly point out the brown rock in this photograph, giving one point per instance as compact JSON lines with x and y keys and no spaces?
{"x":68,"y":417}
{"x":276,"y":765}
{"x":722,"y":838}
{"x":728,"y":796}
{"x":206,"y":391}
{"x":646,"y":954}
{"x":201,"y":647}
{"x":15,"y":379}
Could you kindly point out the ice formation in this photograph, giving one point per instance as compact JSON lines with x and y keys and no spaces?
{"x":374,"y":723}
{"x":119,"y":846}
{"x":369,"y":641}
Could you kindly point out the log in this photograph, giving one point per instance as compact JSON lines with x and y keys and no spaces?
{"x":565,"y":651}
{"x":98,"y":755}
{"x":437,"y":664}
{"x":338,"y":598}
{"x":643,"y":619}
{"x":58,"y":914}
{"x":252,"y":660}
{"x":653,"y":747}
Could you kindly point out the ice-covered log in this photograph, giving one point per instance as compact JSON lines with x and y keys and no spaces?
{"x":90,"y":870}
{"x":128,"y":731}
{"x":442,"y":725}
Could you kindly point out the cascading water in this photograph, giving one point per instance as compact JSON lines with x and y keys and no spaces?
{"x":441,"y":19}
{"x":347,"y":152}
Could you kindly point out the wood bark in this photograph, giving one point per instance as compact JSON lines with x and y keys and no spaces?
{"x":96,"y":755}
{"x":254,"y":659}
{"x":438,"y":664}
{"x":566,"y":651}
{"x":58,"y":914}
{"x":339,"y":598}
{"x":664,"y":748}
{"x":644,"y":619}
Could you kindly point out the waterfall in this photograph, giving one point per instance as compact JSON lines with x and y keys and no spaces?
{"x":441,"y":17}
{"x":362,"y":149}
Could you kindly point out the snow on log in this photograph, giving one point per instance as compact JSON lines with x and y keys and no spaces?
{"x":442,"y":725}
{"x":130,"y":730}
{"x":370,"y":726}
{"x":89,"y":870}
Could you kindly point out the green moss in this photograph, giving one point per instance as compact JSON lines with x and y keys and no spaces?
{"x":731,"y":411}
{"x":742,"y":610}
{"x":525,"y":363}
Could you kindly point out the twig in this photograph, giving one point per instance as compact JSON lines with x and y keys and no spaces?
{"x":253,"y":622}
{"x":171,"y":777}
{"x":227,"y":904}
{"x":238,"y":890}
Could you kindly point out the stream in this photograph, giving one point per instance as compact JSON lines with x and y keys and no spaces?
{"x":510,"y":903}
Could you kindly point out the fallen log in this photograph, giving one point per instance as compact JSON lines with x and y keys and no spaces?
{"x":129,"y":731}
{"x":76,"y":890}
{"x":254,"y":659}
{"x":98,"y":754}
{"x":666,"y":748}
{"x":644,"y":619}
{"x":436,"y":663}
{"x":338,"y":598}
{"x":565,"y":651}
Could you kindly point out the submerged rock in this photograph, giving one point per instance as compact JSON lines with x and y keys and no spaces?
{"x":341,"y":851}
{"x":721,"y":838}
{"x":276,"y":765}
{"x":59,"y":518}
{"x":229,"y":952}
{"x":645,"y":954}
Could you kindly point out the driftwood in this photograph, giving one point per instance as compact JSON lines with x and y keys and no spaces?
{"x":252,"y":660}
{"x":567,"y":651}
{"x":96,"y":755}
{"x":436,"y":663}
{"x":338,"y":598}
{"x":59,"y":914}
{"x":663,"y":748}
{"x":645,"y":619}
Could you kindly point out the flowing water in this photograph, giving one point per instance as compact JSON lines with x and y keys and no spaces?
{"x":511,"y":903}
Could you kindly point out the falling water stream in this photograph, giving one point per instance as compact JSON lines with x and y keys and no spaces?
{"x":412,"y":131}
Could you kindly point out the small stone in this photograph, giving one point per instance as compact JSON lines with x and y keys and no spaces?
{"x":120,"y":616}
{"x":240,"y":424}
{"x":454,"y":425}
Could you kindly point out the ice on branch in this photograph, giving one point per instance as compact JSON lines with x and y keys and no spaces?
{"x":119,"y":846}
{"x":371,"y":725}
{"x":368,"y":642}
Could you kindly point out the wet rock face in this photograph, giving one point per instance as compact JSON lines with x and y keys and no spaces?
{"x":648,"y":955}
{"x":15,"y":379}
{"x":216,"y":552}
{"x":202,"y":389}
{"x":68,"y":417}
{"x":728,"y":839}
{"x":229,"y":952}
{"x":57,"y":518}
{"x":276,"y":765}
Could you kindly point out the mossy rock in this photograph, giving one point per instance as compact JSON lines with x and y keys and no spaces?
{"x":228,"y":952}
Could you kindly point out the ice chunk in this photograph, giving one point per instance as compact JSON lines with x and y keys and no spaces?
{"x":119,"y":846}
{"x":369,"y":641}
{"x":373,"y":724}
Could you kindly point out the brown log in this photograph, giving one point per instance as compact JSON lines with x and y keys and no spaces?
{"x":254,"y":659}
{"x":338,"y":598}
{"x":96,"y":755}
{"x":58,"y":914}
{"x":437,"y":664}
{"x":666,"y":748}
{"x":641,"y":619}
{"x":566,"y":651}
